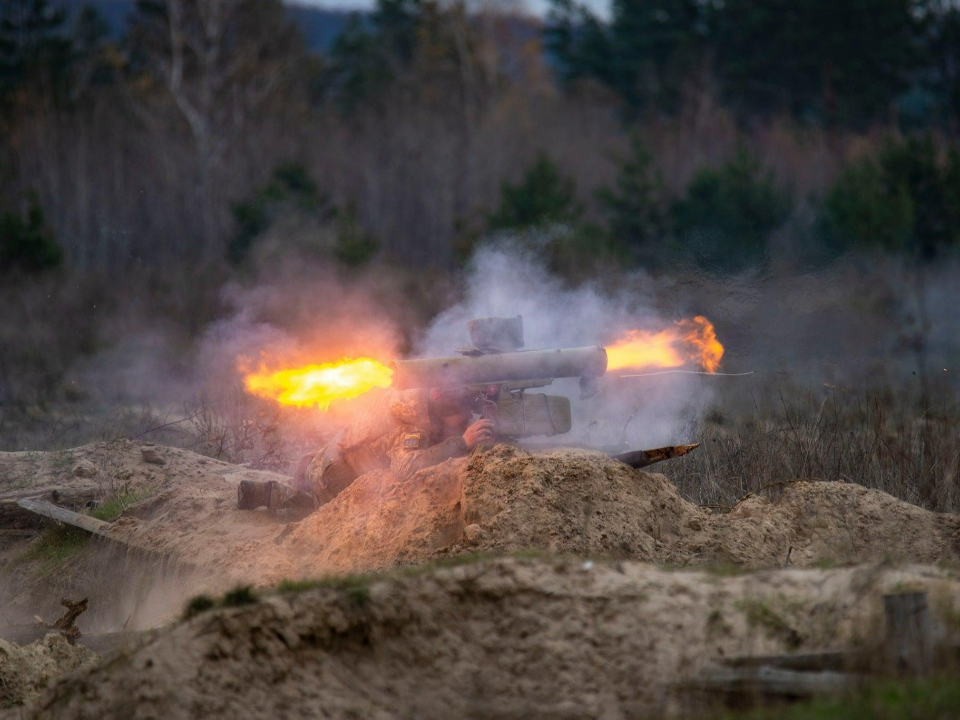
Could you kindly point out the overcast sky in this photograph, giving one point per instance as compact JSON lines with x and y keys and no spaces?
{"x":537,"y":6}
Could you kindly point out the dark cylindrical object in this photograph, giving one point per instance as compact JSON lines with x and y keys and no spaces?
{"x":499,"y":367}
{"x":909,"y":633}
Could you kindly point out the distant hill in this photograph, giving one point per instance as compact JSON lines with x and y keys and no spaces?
{"x":319,"y":26}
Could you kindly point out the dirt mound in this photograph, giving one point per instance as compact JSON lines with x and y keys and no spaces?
{"x":575,"y":502}
{"x":584,"y":503}
{"x":509,"y":637}
{"x":178,"y":503}
{"x":101,"y":466}
{"x":560,"y":501}
{"x":85,"y":477}
{"x":817,"y":522}
{"x":26,"y":670}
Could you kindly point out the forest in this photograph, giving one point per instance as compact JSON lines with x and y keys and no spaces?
{"x":729,"y":134}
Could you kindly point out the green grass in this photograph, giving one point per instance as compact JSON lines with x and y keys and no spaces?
{"x":355,"y":587}
{"x":197,"y":605}
{"x":113,"y":507}
{"x":358,"y":580}
{"x":721,"y":569}
{"x":57,"y":544}
{"x":351,"y":582}
{"x":238,"y":597}
{"x":927,"y":699}
{"x":53,"y":547}
{"x":241,"y":595}
{"x":292,"y":587}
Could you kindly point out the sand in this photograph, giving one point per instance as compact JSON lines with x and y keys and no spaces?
{"x":536,"y":637}
{"x":561,"y":608}
{"x":25,"y":671}
{"x":502,"y":501}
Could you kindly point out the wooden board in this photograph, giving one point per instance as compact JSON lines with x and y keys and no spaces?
{"x":811,"y":661}
{"x":15,"y":516}
{"x":61,"y":514}
{"x":101,"y":529}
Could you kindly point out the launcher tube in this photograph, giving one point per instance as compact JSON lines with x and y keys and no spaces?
{"x":499,"y":367}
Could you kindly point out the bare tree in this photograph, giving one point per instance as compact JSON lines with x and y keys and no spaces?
{"x":218,"y":63}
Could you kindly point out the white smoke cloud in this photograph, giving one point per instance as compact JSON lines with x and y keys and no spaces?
{"x":504,"y":280}
{"x":839,"y":327}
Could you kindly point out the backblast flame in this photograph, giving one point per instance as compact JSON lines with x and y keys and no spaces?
{"x":688,"y":342}
{"x":320,"y":385}
{"x":691,"y":341}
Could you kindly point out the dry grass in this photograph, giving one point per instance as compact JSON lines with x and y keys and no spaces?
{"x":880,"y":438}
{"x":241,"y":429}
{"x":883,"y":438}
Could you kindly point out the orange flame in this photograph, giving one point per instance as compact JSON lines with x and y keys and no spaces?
{"x":690,"y":341}
{"x":320,"y":385}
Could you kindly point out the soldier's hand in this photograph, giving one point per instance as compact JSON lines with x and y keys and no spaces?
{"x":480,"y":432}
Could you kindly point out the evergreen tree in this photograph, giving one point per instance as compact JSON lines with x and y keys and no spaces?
{"x":35,"y":48}
{"x":727,"y":215}
{"x":906,"y":199}
{"x":544,"y":196}
{"x":635,"y":204}
{"x":293,"y":196}
{"x":95,"y":61}
{"x":943,"y":57}
{"x":644,"y":53}
{"x":370,"y":51}
{"x":26,"y":243}
{"x":432,"y":49}
{"x":842,"y":62}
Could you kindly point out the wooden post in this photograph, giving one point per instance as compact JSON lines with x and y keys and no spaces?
{"x":909,"y":633}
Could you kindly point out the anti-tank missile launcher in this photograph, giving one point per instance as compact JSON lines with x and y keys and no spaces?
{"x":493,"y":376}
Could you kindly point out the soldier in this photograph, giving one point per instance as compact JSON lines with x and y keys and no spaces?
{"x":419,"y":431}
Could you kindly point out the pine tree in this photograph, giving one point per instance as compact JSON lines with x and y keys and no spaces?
{"x":35,"y":49}
{"x":841,"y":62}
{"x":635,"y":204}
{"x":543,"y":197}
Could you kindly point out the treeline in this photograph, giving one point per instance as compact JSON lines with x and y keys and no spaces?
{"x":720,"y":134}
{"x":847,"y":64}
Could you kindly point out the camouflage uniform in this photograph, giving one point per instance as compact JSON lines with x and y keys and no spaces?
{"x":403,"y":439}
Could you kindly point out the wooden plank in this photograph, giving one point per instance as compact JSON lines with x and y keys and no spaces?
{"x":13,"y":516}
{"x":102,"y":530}
{"x":909,"y":633}
{"x":775,"y":682}
{"x":55,"y":512}
{"x":17,"y":533}
{"x":812,"y":661}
